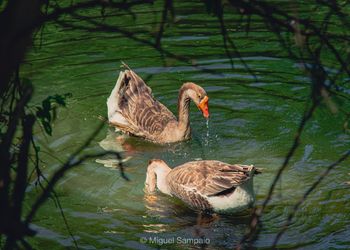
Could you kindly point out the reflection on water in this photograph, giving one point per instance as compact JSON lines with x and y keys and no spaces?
{"x":216,"y":229}
{"x":115,"y":142}
{"x":159,"y":205}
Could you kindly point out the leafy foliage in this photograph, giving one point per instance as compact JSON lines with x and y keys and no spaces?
{"x":46,"y":113}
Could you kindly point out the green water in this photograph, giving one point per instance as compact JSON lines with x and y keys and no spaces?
{"x":253,"y":121}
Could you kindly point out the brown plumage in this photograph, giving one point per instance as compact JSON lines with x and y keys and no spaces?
{"x":204,"y":185}
{"x":133,"y":109}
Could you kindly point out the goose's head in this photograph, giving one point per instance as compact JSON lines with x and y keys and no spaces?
{"x":198,"y":96}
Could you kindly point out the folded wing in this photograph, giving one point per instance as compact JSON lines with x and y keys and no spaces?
{"x":132,"y":107}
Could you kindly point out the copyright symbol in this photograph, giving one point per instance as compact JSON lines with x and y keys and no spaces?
{"x":143,"y":240}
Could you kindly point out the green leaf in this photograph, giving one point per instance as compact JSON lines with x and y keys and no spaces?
{"x":47,"y":127}
{"x":47,"y":111}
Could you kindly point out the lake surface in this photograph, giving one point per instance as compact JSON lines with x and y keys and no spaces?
{"x":253,"y":121}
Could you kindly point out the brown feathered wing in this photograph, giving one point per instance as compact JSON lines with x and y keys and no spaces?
{"x":193,"y":181}
{"x":137,"y":111}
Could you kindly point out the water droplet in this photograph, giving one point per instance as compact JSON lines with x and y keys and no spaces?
{"x":207,"y":127}
{"x":207,"y":138}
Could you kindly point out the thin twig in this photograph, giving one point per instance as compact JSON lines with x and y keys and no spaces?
{"x":306,"y":194}
{"x":255,"y":220}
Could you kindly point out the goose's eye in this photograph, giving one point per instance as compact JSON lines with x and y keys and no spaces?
{"x":199,"y":96}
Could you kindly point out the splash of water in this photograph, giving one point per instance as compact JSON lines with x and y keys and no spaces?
{"x":207,"y":128}
{"x":207,"y":138}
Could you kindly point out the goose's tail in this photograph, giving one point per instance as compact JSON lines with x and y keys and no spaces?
{"x":115,"y":115}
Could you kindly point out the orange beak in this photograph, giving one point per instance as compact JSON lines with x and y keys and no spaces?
{"x":203,"y":106}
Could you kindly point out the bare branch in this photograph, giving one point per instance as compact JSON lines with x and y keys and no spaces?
{"x":306,"y":194}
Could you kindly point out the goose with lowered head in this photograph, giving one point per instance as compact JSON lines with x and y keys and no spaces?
{"x":204,"y":185}
{"x":133,"y":109}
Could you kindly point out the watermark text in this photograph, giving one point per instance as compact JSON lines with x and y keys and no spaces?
{"x":174,"y":240}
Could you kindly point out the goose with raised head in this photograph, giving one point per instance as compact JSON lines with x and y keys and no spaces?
{"x":133,"y":109}
{"x":204,"y":185}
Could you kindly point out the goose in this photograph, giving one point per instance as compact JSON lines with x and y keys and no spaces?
{"x":206,"y":185}
{"x":133,"y":109}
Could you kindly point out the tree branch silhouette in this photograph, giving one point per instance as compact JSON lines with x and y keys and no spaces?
{"x":306,"y":194}
{"x":311,"y":40}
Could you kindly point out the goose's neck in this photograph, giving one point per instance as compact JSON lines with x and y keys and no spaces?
{"x":184,"y":111}
{"x":162,"y":183}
